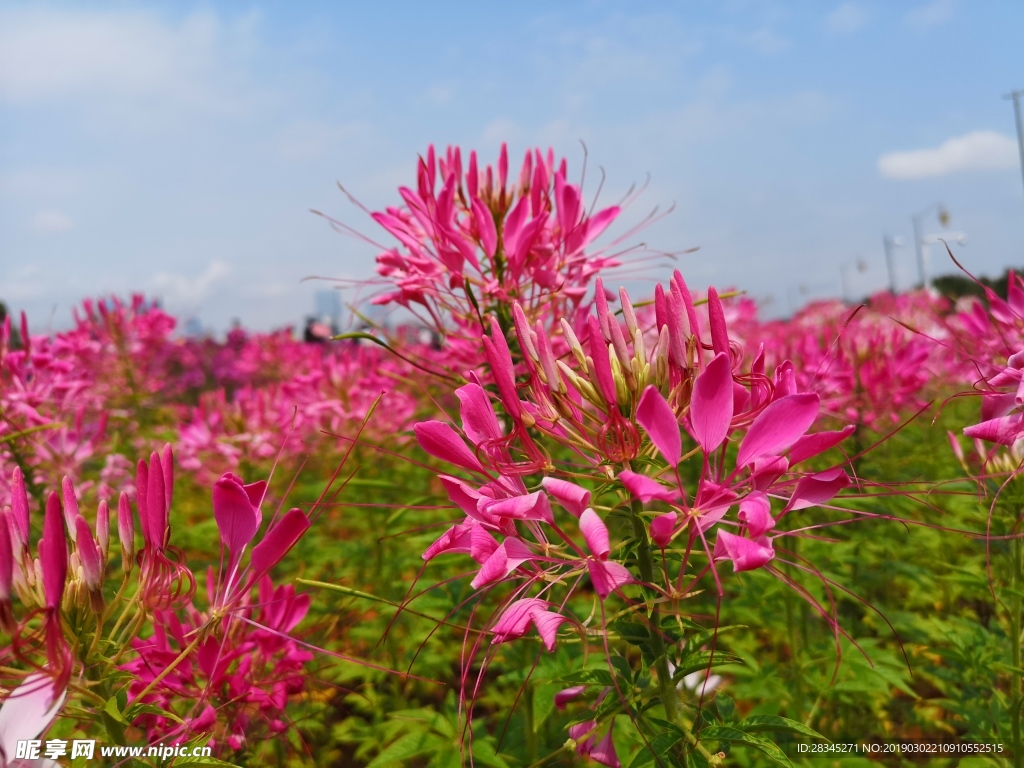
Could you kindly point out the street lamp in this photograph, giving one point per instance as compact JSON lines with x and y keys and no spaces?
{"x":916,"y":219}
{"x":889,"y":242}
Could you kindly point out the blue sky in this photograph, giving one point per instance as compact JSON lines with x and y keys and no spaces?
{"x":177,"y":149}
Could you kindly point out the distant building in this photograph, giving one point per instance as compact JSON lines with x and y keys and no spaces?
{"x":327,"y":310}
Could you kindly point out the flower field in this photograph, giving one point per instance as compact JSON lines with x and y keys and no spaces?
{"x":576,"y":526}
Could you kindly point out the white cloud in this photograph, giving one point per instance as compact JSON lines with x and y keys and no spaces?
{"x":931,"y":14}
{"x":975,"y":151}
{"x":188,"y":294}
{"x":846,"y":19}
{"x":49,"y":55}
{"x":51,"y":221}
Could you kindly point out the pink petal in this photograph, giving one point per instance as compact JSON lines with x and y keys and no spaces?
{"x":277,"y":542}
{"x":156,"y":501}
{"x":493,"y":569}
{"x":809,"y":446}
{"x":654,"y":414}
{"x":500,"y":359}
{"x":716,"y":318}
{"x":817,"y":489}
{"x":479,"y":421}
{"x":746,"y":554}
{"x":19,"y":503}
{"x":485,"y":227}
{"x":662,"y":528}
{"x":566,"y":695}
{"x":711,"y":404}
{"x":236,"y":518}
{"x":596,"y":534}
{"x":6,"y":557}
{"x":515,"y":620}
{"x":53,"y":553}
{"x":256,"y":492}
{"x":532,"y":506}
{"x":71,"y":512}
{"x":602,"y":365}
{"x":28,"y":711}
{"x":645,"y":488}
{"x":571,"y":496}
{"x":547,"y":624}
{"x":88,"y":554}
{"x":778,"y":426}
{"x":440,"y":440}
{"x":167,"y":465}
{"x":755,"y":511}
{"x":1004,"y":430}
{"x":604,"y":751}
{"x":607,"y":576}
{"x":458,"y":538}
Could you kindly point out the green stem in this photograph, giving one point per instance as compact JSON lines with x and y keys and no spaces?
{"x":666,"y":685}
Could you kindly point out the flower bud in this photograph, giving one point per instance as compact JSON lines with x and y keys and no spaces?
{"x":103,"y":527}
{"x":126,"y":532}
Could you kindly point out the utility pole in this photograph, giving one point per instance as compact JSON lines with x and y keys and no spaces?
{"x":1015,"y":95}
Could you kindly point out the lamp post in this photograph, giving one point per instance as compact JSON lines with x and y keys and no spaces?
{"x":1015,"y":95}
{"x":916,"y":219}
{"x":889,"y":242}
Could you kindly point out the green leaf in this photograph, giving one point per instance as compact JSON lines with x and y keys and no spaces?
{"x":728,"y":733}
{"x":726,"y":707}
{"x":660,"y":746}
{"x":112,"y":709}
{"x":409,"y":745}
{"x":632,"y":632}
{"x":701,"y":660}
{"x":777,"y":724}
{"x":588,"y":677}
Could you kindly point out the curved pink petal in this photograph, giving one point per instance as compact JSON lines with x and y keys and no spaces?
{"x":604,"y":751}
{"x":88,"y":555}
{"x":236,"y":518}
{"x":1004,"y":430}
{"x":278,"y":541}
{"x":778,"y":426}
{"x":531,"y":506}
{"x":607,"y":576}
{"x":28,"y":711}
{"x":566,"y":695}
{"x":547,"y":624}
{"x":817,"y":489}
{"x":746,"y":554}
{"x":711,"y":404}
{"x":716,"y":319}
{"x":755,"y":511}
{"x":596,"y":534}
{"x":645,"y":488}
{"x":53,"y":553}
{"x":441,"y":441}
{"x":655,"y":415}
{"x":572,"y":497}
{"x":809,"y":446}
{"x":662,"y":528}
{"x":479,"y":421}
